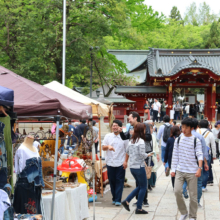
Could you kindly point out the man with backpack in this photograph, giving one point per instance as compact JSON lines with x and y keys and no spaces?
{"x":210,"y":143}
{"x":205,"y":164}
{"x":187,"y":166}
{"x":164,"y":134}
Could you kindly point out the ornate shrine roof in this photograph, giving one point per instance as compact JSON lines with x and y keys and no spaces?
{"x":168,"y":62}
{"x":135,"y":60}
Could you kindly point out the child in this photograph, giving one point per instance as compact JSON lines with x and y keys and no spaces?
{"x":184,"y":167}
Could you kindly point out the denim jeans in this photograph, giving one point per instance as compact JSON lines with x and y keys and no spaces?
{"x":155,"y":116}
{"x":184,"y":188}
{"x":3,"y":177}
{"x":210,"y":179}
{"x":146,"y":194}
{"x":185,"y":115}
{"x":162,"y":115}
{"x":177,"y":115}
{"x":33,"y":171}
{"x":141,"y":180}
{"x":116,"y":176}
{"x":206,"y":174}
{"x":199,"y":187}
{"x":9,"y":213}
{"x":163,"y":150}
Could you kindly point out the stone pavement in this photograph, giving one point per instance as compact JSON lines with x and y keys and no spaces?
{"x":162,"y":201}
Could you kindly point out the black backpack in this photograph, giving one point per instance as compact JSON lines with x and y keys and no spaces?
{"x":166,"y":132}
{"x":148,"y":133}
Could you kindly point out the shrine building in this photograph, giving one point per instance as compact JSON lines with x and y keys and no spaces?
{"x":160,"y":72}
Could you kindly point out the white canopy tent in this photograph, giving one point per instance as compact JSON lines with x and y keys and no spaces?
{"x":98,"y":108}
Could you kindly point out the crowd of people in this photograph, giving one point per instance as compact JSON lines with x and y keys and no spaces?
{"x":157,"y":110}
{"x":78,"y":132}
{"x":187,"y":152}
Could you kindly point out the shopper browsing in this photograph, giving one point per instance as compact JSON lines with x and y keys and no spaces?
{"x":187,"y":165}
{"x":136,"y":151}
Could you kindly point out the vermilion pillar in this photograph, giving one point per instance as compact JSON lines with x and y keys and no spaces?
{"x":209,"y":103}
{"x":170,"y":99}
{"x":213,"y":107}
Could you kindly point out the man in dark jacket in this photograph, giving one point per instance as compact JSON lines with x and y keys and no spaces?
{"x":81,"y":129}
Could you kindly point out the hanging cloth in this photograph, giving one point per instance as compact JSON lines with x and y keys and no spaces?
{"x":8,"y":143}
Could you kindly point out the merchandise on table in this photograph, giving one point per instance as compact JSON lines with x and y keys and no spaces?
{"x":28,"y":217}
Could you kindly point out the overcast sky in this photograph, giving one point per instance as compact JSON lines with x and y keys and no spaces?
{"x":165,"y":6}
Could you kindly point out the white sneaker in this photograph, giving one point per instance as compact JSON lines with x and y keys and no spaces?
{"x":199,"y":206}
{"x":204,"y":189}
{"x":183,"y":217}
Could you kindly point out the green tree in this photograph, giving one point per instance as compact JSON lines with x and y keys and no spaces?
{"x":201,"y":15}
{"x":177,"y":36}
{"x":175,"y":14}
{"x":191,"y":15}
{"x":205,"y":14}
{"x":213,"y":38}
{"x":143,"y":17}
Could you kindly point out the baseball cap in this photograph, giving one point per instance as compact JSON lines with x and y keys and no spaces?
{"x":217,"y":123}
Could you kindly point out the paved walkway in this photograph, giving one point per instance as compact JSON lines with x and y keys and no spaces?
{"x":162,"y":201}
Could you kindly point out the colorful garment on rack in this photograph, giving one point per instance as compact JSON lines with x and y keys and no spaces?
{"x":3,"y":152}
{"x":8,"y":144}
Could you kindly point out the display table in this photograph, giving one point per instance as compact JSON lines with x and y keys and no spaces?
{"x":69,"y":205}
{"x":78,"y":202}
{"x":61,"y":206}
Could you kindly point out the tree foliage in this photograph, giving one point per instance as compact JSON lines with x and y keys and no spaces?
{"x":213,"y":38}
{"x":31,"y":37}
{"x":175,"y":14}
{"x":201,"y":15}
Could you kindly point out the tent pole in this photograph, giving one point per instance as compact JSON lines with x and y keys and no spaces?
{"x":93,"y":182}
{"x":64,"y":43}
{"x":57,"y":118}
{"x":100,"y":157}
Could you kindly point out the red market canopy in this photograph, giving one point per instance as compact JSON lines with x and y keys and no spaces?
{"x":32,"y":99}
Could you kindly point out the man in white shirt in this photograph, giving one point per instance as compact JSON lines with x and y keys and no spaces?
{"x":156,"y":110}
{"x":187,"y":110}
{"x":115,"y":149}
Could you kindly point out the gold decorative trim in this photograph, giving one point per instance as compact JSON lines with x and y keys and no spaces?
{"x":213,"y":88}
{"x":170,"y":89}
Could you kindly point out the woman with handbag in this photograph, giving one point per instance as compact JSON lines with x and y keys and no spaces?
{"x":146,"y":111}
{"x":136,"y":151}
